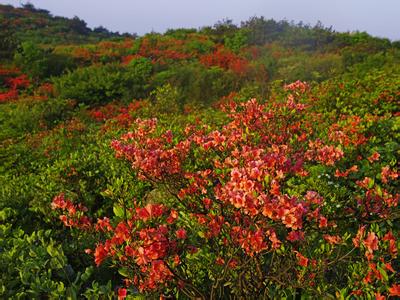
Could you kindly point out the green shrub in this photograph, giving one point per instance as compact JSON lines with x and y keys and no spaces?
{"x":95,"y":85}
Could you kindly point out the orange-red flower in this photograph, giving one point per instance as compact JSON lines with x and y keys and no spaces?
{"x":122,"y":293}
{"x":371,"y":242}
{"x":301,"y":260}
{"x":395,"y":290}
{"x":181,"y":234}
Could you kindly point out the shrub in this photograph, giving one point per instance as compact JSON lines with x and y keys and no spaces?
{"x":95,"y":85}
{"x":197,"y":84}
{"x":270,"y":203}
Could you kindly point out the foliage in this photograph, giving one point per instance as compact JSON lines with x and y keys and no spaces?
{"x":28,"y":23}
{"x":248,"y":197}
{"x":195,"y":164}
{"x":99,"y":84}
{"x":37,"y":265}
{"x":196,"y":83}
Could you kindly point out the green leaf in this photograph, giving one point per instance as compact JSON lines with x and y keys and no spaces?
{"x":371,"y":183}
{"x":124,"y":272}
{"x":383,"y":273}
{"x":378,"y":190}
{"x":51,"y":250}
{"x":118,"y":211}
{"x":86,"y":275}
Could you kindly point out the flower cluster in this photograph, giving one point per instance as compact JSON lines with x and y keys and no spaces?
{"x":297,"y":86}
{"x":72,"y":215}
{"x":149,"y":243}
{"x":225,"y":59}
{"x":251,"y":195}
{"x":14,"y":82}
{"x":151,"y":156}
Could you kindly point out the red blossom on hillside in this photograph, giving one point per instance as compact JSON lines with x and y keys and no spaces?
{"x":389,"y":237}
{"x":324,"y":153}
{"x":225,"y":59}
{"x":394,"y":290}
{"x":374,"y":157}
{"x":122,"y":293}
{"x":298,"y":85}
{"x":100,"y":254}
{"x":294,"y":236}
{"x":301,"y":260}
{"x":74,"y":213}
{"x":181,"y":234}
{"x":245,"y":193}
{"x":332,"y":239}
{"x":387,"y":174}
{"x":371,"y":242}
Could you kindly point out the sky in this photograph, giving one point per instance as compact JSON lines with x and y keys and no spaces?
{"x":377,"y":17}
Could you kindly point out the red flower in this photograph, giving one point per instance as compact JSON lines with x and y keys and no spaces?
{"x":103,"y":224}
{"x":395,"y":290}
{"x":301,"y":260}
{"x":359,"y":236}
{"x":374,"y":157}
{"x":150,"y":211}
{"x":323,"y":222}
{"x":59,"y":202}
{"x":332,"y":239}
{"x":300,"y":86}
{"x":100,"y":254}
{"x":371,"y":242}
{"x":141,"y":258}
{"x":357,"y":292}
{"x":386,"y":173}
{"x":122,"y":293}
{"x":181,"y":234}
{"x":295,"y":236}
{"x":207,"y":203}
{"x":392,"y":243}
{"x":389,"y":267}
{"x":233,"y":263}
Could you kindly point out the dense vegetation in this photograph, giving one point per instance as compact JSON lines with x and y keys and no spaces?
{"x":257,"y":161}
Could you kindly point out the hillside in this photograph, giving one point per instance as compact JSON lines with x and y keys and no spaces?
{"x":27,"y":23}
{"x":251,"y":161}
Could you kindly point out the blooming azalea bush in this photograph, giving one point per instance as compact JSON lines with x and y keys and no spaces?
{"x":208,"y":194}
{"x":225,"y":59}
{"x":276,"y":200}
{"x":11,"y":80}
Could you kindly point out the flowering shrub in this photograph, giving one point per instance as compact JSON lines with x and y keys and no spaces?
{"x":207,"y":195}
{"x":264,"y":205}
{"x":225,"y":59}
{"x":14,"y":81}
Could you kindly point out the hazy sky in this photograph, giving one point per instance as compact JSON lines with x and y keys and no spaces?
{"x":377,"y":17}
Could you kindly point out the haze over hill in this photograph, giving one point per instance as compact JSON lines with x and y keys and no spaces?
{"x":379,"y":18}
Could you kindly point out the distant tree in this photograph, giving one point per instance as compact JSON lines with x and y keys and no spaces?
{"x":396,"y":44}
{"x":29,"y":6}
{"x":129,"y":35}
{"x":262,"y":31}
{"x":224,"y":28}
{"x":79,"y":26}
{"x":237,"y":41}
{"x":180,"y":33}
{"x":32,"y":60}
{"x":102,"y":30}
{"x":8,"y":42}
